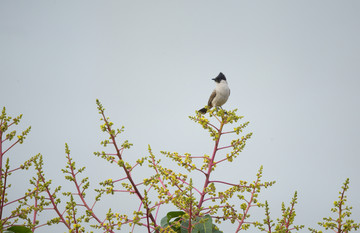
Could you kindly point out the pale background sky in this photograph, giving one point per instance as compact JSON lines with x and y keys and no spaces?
{"x":292,"y":66}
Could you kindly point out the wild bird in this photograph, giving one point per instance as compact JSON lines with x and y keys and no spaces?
{"x":220,"y":94}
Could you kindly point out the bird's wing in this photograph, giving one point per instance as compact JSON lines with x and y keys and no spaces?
{"x":213,"y":94}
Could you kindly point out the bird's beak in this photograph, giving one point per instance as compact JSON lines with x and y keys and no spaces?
{"x":213,"y":79}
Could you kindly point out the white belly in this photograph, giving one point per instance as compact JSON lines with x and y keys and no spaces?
{"x":222,"y":95}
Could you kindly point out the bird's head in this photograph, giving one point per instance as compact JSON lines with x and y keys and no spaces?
{"x":220,"y":77}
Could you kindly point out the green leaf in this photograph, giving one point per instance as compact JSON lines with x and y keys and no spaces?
{"x":216,"y":231}
{"x":203,"y":225}
{"x":172,"y":215}
{"x":184,"y":226}
{"x":165,"y":221}
{"x":18,"y":229}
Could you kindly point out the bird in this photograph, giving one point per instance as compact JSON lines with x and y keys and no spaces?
{"x":220,"y":94}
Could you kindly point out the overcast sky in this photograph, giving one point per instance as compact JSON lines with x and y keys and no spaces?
{"x":292,"y":67}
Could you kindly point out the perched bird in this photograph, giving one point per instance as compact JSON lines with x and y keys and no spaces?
{"x":220,"y":95}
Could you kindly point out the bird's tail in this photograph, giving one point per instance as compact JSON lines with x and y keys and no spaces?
{"x":203,"y":110}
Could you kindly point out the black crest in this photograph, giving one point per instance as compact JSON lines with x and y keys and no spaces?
{"x":220,"y":77}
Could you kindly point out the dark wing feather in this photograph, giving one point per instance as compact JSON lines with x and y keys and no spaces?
{"x":213,"y":94}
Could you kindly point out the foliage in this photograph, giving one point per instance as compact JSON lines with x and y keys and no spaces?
{"x":341,"y":224}
{"x":197,"y":208}
{"x":18,"y":229}
{"x":20,"y":207}
{"x":285,"y":223}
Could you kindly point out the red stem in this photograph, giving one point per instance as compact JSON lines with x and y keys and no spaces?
{"x":225,"y":147}
{"x":160,"y":180}
{"x":36,"y":204}
{"x":80,"y":194}
{"x":127,"y":172}
{"x":228,"y":132}
{"x":340,"y":208}
{"x":242,"y":221}
{"x":74,"y":217}
{"x":1,"y":173}
{"x":1,"y":155}
{"x":190,"y":212}
{"x":288,"y":220}
{"x":14,"y":201}
{"x":210,"y":166}
{"x":10,"y":147}
{"x":3,"y":195}
{"x":53,"y":201}
{"x":222,"y":182}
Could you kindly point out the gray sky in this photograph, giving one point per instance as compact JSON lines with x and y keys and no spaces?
{"x":292,"y":66}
